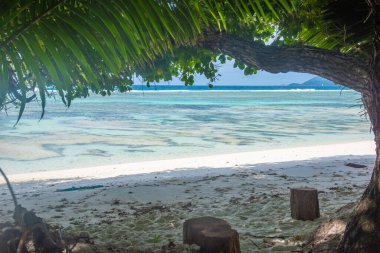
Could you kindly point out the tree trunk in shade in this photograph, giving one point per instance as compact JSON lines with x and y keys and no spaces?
{"x":362,"y":233}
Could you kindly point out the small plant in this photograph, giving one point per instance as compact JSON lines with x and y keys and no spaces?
{"x":156,"y":238}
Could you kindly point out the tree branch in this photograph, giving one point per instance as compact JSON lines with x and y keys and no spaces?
{"x":333,"y":65}
{"x":9,"y":187}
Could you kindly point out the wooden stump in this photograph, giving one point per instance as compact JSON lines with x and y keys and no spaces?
{"x":213,"y":235}
{"x":304,"y":203}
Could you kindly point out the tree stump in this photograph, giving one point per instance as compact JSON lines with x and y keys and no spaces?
{"x":304,"y":203}
{"x":213,"y":235}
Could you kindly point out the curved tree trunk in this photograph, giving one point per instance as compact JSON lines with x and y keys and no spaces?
{"x":362,"y":233}
{"x":338,"y":67}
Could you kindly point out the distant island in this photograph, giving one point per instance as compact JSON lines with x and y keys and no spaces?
{"x":315,"y":82}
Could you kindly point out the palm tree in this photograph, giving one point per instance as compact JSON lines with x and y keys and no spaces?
{"x":79,"y":46}
{"x":82,"y":45}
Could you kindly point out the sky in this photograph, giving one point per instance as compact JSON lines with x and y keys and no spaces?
{"x":235,"y":76}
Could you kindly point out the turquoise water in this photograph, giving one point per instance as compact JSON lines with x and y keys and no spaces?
{"x":155,"y":125}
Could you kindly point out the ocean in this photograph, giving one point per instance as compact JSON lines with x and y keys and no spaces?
{"x":176,"y":122}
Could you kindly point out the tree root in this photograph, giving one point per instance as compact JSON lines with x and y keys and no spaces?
{"x":326,"y":238}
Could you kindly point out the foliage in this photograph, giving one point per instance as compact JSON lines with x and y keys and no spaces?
{"x":344,"y":25}
{"x":83,"y":46}
{"x":77,"y":46}
{"x":156,"y":238}
{"x":184,"y":63}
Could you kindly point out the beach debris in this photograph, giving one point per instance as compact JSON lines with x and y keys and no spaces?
{"x":304,"y":203}
{"x":148,"y":209}
{"x":337,"y":175}
{"x":30,"y":234}
{"x":235,"y":200}
{"x":211,"y":234}
{"x":169,"y":248}
{"x":265,"y":237}
{"x":222,"y":189}
{"x":81,"y":243}
{"x":356,"y":165}
{"x":81,"y":247}
{"x":79,"y":188}
{"x":115,"y":202}
{"x":255,"y":244}
{"x":283,"y":243}
{"x":171,"y":244}
{"x":187,"y":206}
{"x":296,"y":238}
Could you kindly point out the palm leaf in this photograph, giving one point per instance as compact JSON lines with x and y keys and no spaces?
{"x":82,"y":45}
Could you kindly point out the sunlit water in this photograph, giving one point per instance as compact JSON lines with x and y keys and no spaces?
{"x":156,"y":125}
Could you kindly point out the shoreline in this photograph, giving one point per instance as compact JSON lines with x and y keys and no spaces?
{"x":213,"y":161}
{"x":251,"y":192}
{"x":242,"y":90}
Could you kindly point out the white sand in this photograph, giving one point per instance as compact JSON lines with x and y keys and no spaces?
{"x":249,"y":190}
{"x":216,"y":161}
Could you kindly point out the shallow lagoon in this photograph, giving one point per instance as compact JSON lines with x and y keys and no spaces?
{"x":142,"y":126}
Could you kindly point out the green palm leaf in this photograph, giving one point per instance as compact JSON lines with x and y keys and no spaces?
{"x":82,"y":45}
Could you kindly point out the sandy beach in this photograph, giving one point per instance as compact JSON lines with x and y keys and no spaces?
{"x":141,"y":205}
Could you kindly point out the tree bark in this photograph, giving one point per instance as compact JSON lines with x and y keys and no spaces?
{"x":304,"y":203}
{"x":213,"y":235}
{"x":333,"y":65}
{"x":362,"y":233}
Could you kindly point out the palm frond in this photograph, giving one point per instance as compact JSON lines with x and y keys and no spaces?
{"x":78,"y":46}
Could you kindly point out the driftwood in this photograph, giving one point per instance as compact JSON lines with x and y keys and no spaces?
{"x":35,"y":232}
{"x":29,"y":233}
{"x":356,"y":165}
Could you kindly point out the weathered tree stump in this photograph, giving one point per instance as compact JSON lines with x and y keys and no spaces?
{"x":304,"y":203}
{"x":213,"y":235}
